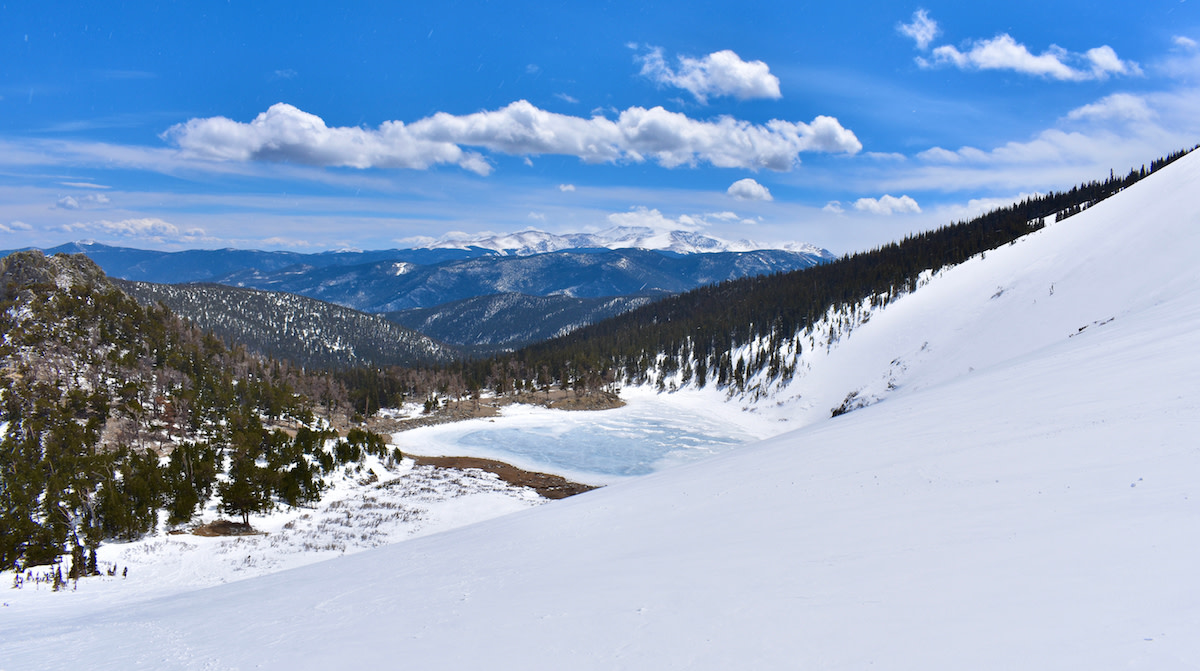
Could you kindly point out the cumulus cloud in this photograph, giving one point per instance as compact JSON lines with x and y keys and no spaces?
{"x":1005,"y":53}
{"x":721,"y":73}
{"x":1183,"y":42}
{"x":748,"y":189}
{"x":14,"y":226}
{"x":671,"y":139}
{"x":285,"y":133}
{"x":887,"y":205}
{"x":565,"y":188}
{"x":73,"y":203}
{"x":834,"y":206}
{"x":922,"y":29}
{"x":1118,"y":106}
{"x":150,"y":228}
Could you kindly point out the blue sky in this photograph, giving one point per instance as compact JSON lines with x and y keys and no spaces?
{"x":371,"y":125}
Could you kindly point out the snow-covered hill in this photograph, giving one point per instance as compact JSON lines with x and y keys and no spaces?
{"x":1019,"y":490}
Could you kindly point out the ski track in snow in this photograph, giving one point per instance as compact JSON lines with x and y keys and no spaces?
{"x":1021,"y":492}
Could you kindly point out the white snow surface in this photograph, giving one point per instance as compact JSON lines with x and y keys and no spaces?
{"x":1019,"y":495}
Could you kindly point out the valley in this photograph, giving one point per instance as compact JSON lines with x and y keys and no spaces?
{"x":998,"y":441}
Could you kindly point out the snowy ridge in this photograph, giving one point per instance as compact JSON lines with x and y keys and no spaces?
{"x":533,"y":241}
{"x":1023,"y":496}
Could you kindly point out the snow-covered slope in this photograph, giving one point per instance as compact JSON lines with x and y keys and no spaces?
{"x":1025,"y":495}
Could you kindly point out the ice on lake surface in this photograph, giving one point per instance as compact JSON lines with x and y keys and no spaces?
{"x":643,"y":437}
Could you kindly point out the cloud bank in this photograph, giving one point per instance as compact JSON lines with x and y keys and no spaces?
{"x":721,"y":73}
{"x":286,"y":134}
{"x":150,"y":228}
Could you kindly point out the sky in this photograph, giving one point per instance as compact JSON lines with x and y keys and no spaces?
{"x":366,"y":125}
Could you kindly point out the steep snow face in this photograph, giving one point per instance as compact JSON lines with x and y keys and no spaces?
{"x":1070,"y":281}
{"x":1025,"y":496}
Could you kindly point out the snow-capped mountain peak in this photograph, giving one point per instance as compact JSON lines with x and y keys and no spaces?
{"x":534,"y":241}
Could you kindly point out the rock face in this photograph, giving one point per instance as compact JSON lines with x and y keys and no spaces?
{"x":22,"y":271}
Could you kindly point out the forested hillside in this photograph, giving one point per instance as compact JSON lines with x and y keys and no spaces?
{"x":111,"y":413}
{"x":500,"y":322}
{"x":305,"y":331}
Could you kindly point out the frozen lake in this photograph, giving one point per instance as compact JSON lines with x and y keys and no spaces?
{"x":650,"y":433}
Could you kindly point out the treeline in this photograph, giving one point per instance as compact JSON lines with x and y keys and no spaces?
{"x":696,"y":335}
{"x":111,"y":413}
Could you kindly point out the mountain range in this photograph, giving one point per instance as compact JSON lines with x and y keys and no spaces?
{"x":563,"y":276}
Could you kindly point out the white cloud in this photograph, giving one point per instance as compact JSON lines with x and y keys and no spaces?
{"x":15,"y":226}
{"x":565,"y":188}
{"x":721,"y":73}
{"x":671,"y":139}
{"x":85,"y":185}
{"x":1005,"y":53}
{"x":724,"y":216}
{"x":537,"y":216}
{"x":1117,"y":132}
{"x":963,"y":155}
{"x":1104,"y":62}
{"x":748,"y":189}
{"x":652,"y":218}
{"x":73,"y":203}
{"x":285,"y":133}
{"x":567,"y":98}
{"x":887,"y":205}
{"x":279,"y":241}
{"x":1184,"y":42}
{"x":149,"y":228}
{"x":834,"y":206}
{"x":1118,"y":106}
{"x":922,"y":29}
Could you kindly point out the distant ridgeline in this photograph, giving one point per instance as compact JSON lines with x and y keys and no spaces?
{"x":111,"y":412}
{"x":695,"y":337}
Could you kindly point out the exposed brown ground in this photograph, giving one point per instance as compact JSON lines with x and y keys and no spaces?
{"x":547,"y":485}
{"x":457,"y":411}
{"x":224,"y":528}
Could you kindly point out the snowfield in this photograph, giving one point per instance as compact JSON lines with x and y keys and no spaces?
{"x":1021,"y":491}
